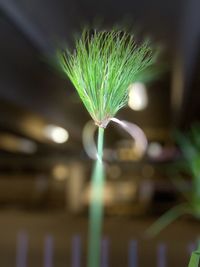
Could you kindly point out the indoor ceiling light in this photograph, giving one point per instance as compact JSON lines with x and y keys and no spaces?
{"x":138,"y":99}
{"x":57,"y":134}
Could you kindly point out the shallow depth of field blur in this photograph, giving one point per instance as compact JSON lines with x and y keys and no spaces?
{"x":45,"y":169}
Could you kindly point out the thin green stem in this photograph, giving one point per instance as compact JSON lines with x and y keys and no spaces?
{"x":167,"y":218}
{"x":96,"y":206}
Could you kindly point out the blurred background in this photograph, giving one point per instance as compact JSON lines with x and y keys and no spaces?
{"x":44,"y":168}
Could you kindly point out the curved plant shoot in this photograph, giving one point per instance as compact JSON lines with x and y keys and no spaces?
{"x":101,"y":68}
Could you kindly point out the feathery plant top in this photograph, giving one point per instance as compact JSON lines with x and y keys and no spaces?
{"x":102,"y":67}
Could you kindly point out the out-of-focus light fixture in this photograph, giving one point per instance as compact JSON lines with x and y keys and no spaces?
{"x":57,"y":134}
{"x":28,"y":146}
{"x":13,"y":143}
{"x":138,"y":99}
{"x":154,"y":150}
{"x":60,"y":172}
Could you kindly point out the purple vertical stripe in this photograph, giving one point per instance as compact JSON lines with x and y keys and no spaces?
{"x":22,"y":248}
{"x":105,"y":252}
{"x":161,"y":255}
{"x":76,"y":251}
{"x":48,"y":251}
{"x":133,"y":254}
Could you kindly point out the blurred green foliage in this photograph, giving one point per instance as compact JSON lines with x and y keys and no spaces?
{"x":187,"y":167}
{"x":195,"y":258}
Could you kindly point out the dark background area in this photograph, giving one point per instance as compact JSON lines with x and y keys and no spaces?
{"x":43,"y":184}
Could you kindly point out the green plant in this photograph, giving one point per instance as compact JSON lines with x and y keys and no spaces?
{"x":195,"y":258}
{"x":101,"y":68}
{"x":189,"y":166}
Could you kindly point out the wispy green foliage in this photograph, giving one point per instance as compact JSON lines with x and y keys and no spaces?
{"x":190,"y":166}
{"x":190,"y":147}
{"x":102,"y":67}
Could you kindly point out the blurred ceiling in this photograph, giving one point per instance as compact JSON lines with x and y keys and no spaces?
{"x":34,"y":94}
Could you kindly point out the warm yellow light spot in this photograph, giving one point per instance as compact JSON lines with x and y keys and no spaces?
{"x":60,"y":172}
